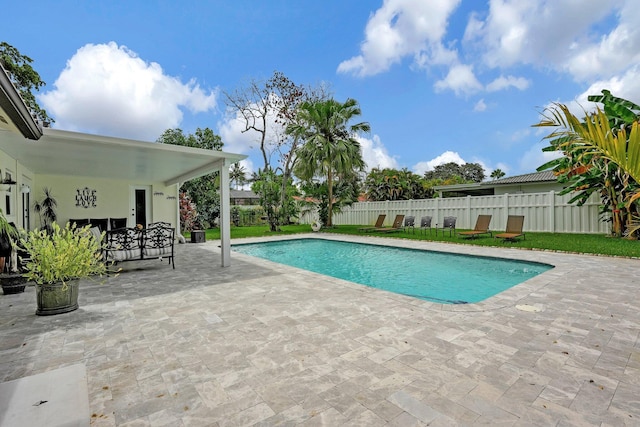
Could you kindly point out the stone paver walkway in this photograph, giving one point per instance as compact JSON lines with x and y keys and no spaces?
{"x":263,"y":344}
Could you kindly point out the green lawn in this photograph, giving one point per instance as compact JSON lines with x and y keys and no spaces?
{"x":574,"y":243}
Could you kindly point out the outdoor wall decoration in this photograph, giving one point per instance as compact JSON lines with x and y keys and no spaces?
{"x":86,"y":198}
{"x":171,"y":197}
{"x":158,"y":193}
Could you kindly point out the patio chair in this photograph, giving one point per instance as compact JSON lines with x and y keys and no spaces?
{"x":482,"y":227}
{"x":425,"y":223}
{"x":117,"y":223}
{"x":410,"y":224}
{"x":396,"y":226}
{"x":513,"y":230}
{"x":378,"y":223}
{"x":448,"y":223}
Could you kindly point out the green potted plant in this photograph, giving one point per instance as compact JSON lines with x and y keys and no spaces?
{"x":46,"y":209}
{"x":59,"y":261}
{"x":12,"y":282}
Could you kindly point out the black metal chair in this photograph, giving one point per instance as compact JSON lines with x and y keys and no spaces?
{"x":410,"y":224}
{"x":449,"y":223}
{"x":425,"y":223}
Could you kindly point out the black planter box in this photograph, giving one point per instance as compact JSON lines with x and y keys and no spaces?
{"x":197,"y":236}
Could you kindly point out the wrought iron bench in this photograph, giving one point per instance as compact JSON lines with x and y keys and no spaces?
{"x":133,"y":244}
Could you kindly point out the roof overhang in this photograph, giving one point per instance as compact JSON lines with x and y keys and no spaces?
{"x":14,"y":114}
{"x":66,"y":153}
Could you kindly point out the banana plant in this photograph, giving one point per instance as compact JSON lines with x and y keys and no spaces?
{"x":596,"y":150}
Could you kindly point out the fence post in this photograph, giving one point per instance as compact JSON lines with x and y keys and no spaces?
{"x":468,"y":209}
{"x":552,"y":211}
{"x":506,"y":208}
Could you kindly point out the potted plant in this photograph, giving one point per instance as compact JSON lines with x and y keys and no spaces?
{"x":59,"y":261}
{"x":46,"y":209}
{"x":12,"y":282}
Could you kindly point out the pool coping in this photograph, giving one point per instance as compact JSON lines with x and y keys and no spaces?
{"x":514,"y":296}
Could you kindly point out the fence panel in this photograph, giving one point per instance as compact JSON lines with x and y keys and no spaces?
{"x":545,"y":211}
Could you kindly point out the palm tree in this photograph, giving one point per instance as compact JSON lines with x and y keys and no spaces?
{"x":46,"y":209}
{"x":238,"y":174}
{"x":329,"y":148}
{"x":497,"y":174}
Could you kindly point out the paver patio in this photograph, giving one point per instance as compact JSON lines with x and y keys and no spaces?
{"x":263,"y":344}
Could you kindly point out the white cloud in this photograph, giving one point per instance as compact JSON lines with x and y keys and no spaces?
{"x":460,"y":80}
{"x":535,"y":157}
{"x":446,"y":157}
{"x":231,"y":130}
{"x":402,"y":28}
{"x":539,"y":33}
{"x":625,"y":86}
{"x":503,"y":82}
{"x":106,"y":89}
{"x":375,"y":154}
{"x":480,"y":106}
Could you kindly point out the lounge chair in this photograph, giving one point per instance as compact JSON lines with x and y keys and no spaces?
{"x":396,"y":226}
{"x":482,"y":227}
{"x":425,"y":223}
{"x":514,"y":229}
{"x":449,"y":223}
{"x":378,"y":224}
{"x":410,"y":224}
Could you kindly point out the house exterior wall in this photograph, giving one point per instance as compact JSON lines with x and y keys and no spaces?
{"x":526,"y":188}
{"x":112,"y":198}
{"x":11,"y":199}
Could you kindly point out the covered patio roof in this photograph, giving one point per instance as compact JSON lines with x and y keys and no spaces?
{"x":60,"y":152}
{"x":14,"y":114}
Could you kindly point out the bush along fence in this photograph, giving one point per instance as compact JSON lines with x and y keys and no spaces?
{"x":544,"y":212}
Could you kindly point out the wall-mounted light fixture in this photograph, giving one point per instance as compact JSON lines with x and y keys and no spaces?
{"x":25,"y":189}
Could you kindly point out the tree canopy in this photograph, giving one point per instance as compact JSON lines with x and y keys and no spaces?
{"x":330,"y":149}
{"x":24,"y":78}
{"x":468,"y":172}
{"x":202,"y":191}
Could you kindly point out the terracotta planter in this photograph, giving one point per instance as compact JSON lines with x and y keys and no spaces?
{"x":56,"y":298}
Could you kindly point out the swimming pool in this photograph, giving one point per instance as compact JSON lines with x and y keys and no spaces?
{"x":433,"y":276}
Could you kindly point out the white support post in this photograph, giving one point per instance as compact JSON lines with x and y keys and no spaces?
{"x":225,"y":214}
{"x":179,"y":235}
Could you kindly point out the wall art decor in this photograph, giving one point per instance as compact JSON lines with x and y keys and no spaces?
{"x":86,"y":198}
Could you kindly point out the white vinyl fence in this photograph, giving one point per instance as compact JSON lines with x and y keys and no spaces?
{"x":546,"y":212}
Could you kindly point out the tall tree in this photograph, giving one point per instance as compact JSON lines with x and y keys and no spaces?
{"x":468,"y":172}
{"x":601,"y":155}
{"x":24,"y":78}
{"x":202,"y":191}
{"x":330,"y":148}
{"x":393,"y":184}
{"x":238,"y":174}
{"x":497,"y":174}
{"x":268,"y":107}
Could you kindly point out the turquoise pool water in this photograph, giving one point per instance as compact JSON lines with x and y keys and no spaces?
{"x":433,"y":276}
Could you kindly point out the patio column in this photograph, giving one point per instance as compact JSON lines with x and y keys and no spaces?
{"x":225,"y":214}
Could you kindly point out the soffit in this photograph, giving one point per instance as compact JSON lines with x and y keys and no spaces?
{"x":67,"y":153}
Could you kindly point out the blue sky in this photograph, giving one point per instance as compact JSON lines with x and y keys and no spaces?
{"x":438,"y":80}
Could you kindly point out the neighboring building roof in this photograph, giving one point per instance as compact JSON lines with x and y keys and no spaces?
{"x":14,"y":114}
{"x":528,"y":178}
{"x":486,"y":187}
{"x":243,"y":194}
{"x":60,"y":152}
